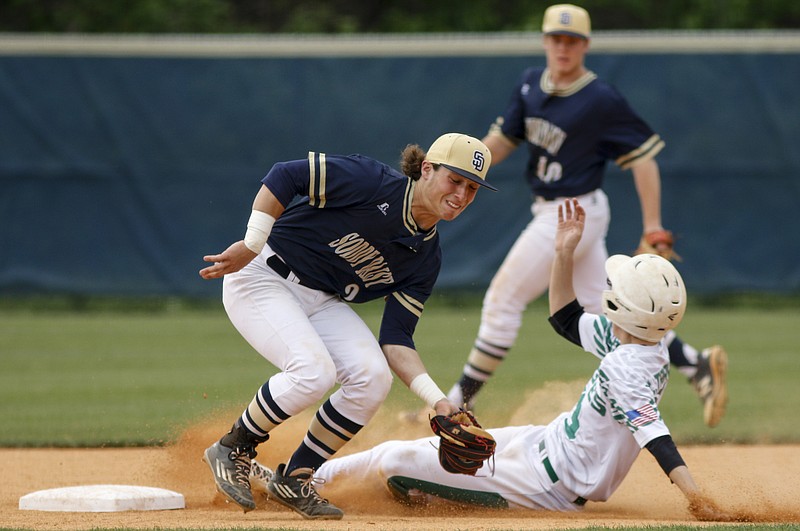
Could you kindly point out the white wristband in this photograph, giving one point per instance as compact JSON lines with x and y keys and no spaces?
{"x":424,"y":387}
{"x":258,"y":228}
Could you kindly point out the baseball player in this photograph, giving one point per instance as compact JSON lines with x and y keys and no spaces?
{"x":360,"y":231}
{"x":572,"y":123}
{"x":583,"y":454}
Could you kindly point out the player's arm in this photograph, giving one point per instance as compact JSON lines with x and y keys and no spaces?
{"x":565,"y":311}
{"x":701,"y":506}
{"x":396,"y":337}
{"x":647,"y":180}
{"x":283,"y":182}
{"x":571,"y":219}
{"x":500,"y":145}
{"x":266,"y":209}
{"x":406,"y":363}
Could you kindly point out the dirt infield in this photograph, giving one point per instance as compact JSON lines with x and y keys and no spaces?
{"x":759,"y":483}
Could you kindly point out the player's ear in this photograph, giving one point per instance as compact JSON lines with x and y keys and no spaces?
{"x":427,"y":169}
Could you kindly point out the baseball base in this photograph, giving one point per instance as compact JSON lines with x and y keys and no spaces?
{"x":102,"y":498}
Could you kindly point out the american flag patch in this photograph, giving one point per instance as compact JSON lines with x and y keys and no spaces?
{"x":644,"y":415}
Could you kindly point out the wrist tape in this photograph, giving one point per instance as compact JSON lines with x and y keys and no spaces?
{"x":258,"y":228}
{"x":424,"y":387}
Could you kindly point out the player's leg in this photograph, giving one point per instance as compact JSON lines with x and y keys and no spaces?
{"x":589,"y":273}
{"x":412,"y":473}
{"x":522,"y":277}
{"x":706,"y":371}
{"x":365,"y":378}
{"x":267,"y":314}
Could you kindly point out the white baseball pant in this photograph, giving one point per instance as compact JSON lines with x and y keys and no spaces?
{"x":313,"y":337}
{"x":525,"y":273}
{"x":519,"y":475}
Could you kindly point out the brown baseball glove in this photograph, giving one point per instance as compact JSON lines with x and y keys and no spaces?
{"x":463,"y":445}
{"x":658,"y":242}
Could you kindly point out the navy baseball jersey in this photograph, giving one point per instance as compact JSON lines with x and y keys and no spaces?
{"x":352,"y":233}
{"x":572,"y":132}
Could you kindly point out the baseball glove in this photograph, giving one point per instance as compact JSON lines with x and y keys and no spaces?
{"x":658,"y":242}
{"x":463,"y":445}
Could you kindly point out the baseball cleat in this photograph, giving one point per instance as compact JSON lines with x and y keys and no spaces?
{"x":710,"y":383}
{"x":231,"y":470}
{"x":259,"y":476}
{"x":296,"y":491}
{"x":408,"y":496}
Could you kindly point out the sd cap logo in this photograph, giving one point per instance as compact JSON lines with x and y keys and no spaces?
{"x":478,"y":161}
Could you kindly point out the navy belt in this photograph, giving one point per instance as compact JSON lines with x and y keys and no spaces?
{"x":551,"y":472}
{"x":588,"y":198}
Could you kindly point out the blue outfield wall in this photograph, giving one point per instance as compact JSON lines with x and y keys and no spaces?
{"x":118,"y":173}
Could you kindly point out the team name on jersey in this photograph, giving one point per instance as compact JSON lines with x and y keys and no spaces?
{"x":359,"y":252}
{"x":544,"y":134}
{"x":661,"y":378}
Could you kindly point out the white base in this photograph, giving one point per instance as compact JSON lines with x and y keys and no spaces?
{"x":102,"y":498}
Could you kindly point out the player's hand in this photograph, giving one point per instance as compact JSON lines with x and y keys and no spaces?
{"x":230,"y":260}
{"x":571,"y":219}
{"x":658,"y":241}
{"x":445,"y":407}
{"x":706,"y":510}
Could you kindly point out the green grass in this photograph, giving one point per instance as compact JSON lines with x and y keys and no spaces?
{"x":117,"y":374}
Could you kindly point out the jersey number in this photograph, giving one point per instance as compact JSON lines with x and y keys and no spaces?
{"x":350,"y":292}
{"x":571,"y":425}
{"x":548,"y":173}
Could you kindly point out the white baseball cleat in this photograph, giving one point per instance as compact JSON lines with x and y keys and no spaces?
{"x":259,"y":476}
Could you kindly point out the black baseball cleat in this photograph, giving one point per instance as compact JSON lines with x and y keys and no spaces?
{"x":231,"y":469}
{"x":296,"y":491}
{"x":230,"y":460}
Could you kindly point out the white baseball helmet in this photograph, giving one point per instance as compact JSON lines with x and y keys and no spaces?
{"x":646,"y":295}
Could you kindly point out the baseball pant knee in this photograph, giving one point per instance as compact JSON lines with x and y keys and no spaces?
{"x":302,"y":383}
{"x":363,"y":390}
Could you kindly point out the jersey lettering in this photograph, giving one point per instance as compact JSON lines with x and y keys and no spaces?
{"x":356,"y":251}
{"x":662,"y":377}
{"x":544,"y":134}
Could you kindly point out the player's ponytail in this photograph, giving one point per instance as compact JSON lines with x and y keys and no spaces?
{"x":411,"y":161}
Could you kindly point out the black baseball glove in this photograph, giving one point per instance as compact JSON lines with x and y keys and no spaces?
{"x":463,"y":445}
